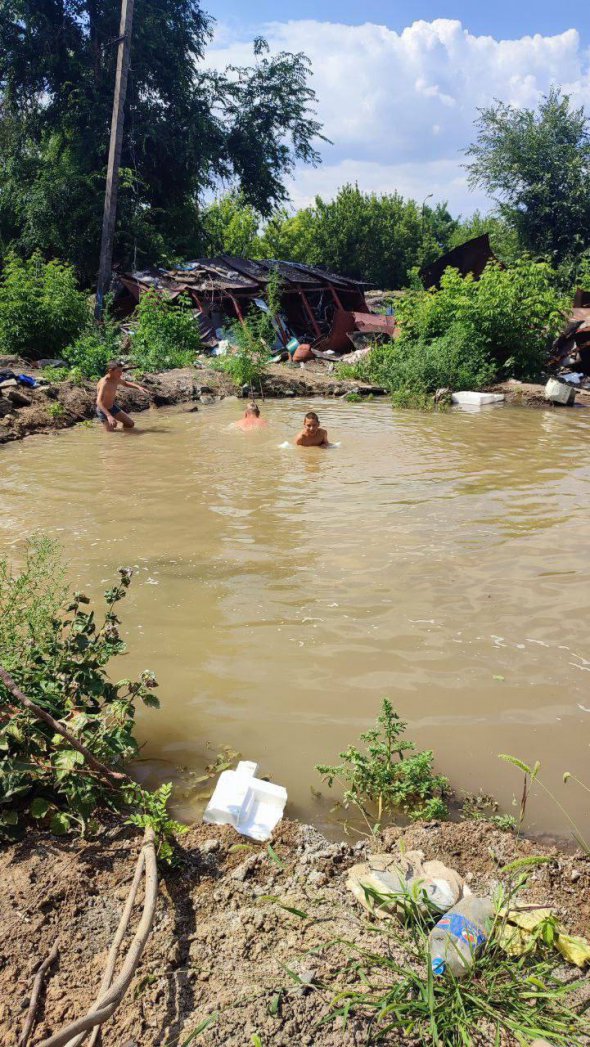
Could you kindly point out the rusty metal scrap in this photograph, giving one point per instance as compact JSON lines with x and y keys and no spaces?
{"x":470,"y":257}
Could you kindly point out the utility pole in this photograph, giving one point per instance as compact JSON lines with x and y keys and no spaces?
{"x":116,"y":142}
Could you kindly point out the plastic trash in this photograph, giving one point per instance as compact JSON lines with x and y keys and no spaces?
{"x":559,"y":392}
{"x":390,"y":875}
{"x":459,"y":935}
{"x":252,"y":806}
{"x":477,"y":399}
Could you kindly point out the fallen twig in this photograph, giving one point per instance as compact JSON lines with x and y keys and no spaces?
{"x":108,"y":1001}
{"x":115,"y":777}
{"x":36,"y":992}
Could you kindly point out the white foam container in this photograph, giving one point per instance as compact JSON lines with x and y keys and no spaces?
{"x":252,"y":806}
{"x":477,"y":399}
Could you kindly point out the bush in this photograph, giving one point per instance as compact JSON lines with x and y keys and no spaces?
{"x":245,"y":364}
{"x":89,"y":354}
{"x":41,"y":309}
{"x":57,"y":653}
{"x":411,"y":369}
{"x":509,"y":316}
{"x":390,"y":774}
{"x":167,"y":333}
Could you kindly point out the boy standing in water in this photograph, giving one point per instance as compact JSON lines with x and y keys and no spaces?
{"x":107,"y":409}
{"x":311,"y":435}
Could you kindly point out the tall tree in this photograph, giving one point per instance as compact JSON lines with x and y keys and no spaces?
{"x":186,"y":127}
{"x":538,"y":164}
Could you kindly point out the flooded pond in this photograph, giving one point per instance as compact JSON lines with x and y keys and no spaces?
{"x":439,"y":559}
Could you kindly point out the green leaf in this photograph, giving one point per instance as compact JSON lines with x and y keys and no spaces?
{"x":68,"y":759}
{"x":59,"y":824}
{"x":9,"y":818}
{"x":39,"y":807}
{"x":200,"y":1028}
{"x":288,"y":908}
{"x":523,"y":863}
{"x":272,"y":854}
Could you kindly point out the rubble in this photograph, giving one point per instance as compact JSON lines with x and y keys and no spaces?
{"x":317,"y":307}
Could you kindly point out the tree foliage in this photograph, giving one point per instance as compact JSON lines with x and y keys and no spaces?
{"x":186,"y":127}
{"x":538,"y":164}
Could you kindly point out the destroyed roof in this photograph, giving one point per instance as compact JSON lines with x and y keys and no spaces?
{"x":234,"y":274}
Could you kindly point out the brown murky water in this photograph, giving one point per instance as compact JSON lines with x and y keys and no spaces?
{"x":441,"y":560}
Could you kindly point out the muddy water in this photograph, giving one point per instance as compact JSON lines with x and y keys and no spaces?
{"x":441,"y":560}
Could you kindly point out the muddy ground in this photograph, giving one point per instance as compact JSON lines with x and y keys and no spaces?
{"x":221,"y":948}
{"x":25,"y":411}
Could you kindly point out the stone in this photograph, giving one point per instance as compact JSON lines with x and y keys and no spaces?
{"x":575,"y":875}
{"x":18,"y":399}
{"x":209,"y":846}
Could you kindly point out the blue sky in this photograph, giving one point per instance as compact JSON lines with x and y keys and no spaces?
{"x":502,"y":19}
{"x":399,"y":84}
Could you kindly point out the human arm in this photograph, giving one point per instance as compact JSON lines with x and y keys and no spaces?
{"x":300,"y":440}
{"x":133,"y":385}
{"x":324,"y":441}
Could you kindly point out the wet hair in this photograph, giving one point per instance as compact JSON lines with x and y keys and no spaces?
{"x":312,"y":416}
{"x":253,"y":408}
{"x":114,"y":365}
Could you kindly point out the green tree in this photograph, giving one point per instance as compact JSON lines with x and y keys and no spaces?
{"x":503,"y":236}
{"x":538,"y":164}
{"x":230,"y":226}
{"x":186,"y":128}
{"x":368,"y":236}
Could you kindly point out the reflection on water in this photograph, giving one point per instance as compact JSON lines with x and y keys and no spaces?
{"x":280,"y":593}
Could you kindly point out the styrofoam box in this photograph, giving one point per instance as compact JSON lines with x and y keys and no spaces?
{"x":252,"y":806}
{"x":477,"y":399}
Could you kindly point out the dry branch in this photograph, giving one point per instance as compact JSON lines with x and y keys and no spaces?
{"x":108,"y":1002}
{"x":37,"y":984}
{"x":114,"y":777}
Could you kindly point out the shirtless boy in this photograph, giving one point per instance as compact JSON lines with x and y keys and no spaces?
{"x":107,"y":409}
{"x":311,"y":435}
{"x":251,"y":419}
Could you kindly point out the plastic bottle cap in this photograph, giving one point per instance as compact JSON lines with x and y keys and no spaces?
{"x":438,"y":965}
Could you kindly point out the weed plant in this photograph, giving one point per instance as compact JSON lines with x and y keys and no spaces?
{"x":389,"y":774}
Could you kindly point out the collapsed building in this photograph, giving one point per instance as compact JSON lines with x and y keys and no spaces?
{"x":323,"y":309}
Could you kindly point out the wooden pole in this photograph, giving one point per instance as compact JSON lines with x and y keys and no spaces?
{"x":115,"y":146}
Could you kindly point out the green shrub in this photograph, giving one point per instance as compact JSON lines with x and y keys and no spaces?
{"x":509,"y":316}
{"x":90,"y":352}
{"x":57,"y":652}
{"x":41,"y":309}
{"x":390,"y":774}
{"x":245,"y":364}
{"x":167,"y":333}
{"x":412,"y":368}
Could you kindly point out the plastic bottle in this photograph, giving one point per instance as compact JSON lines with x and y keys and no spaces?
{"x":458,"y":936}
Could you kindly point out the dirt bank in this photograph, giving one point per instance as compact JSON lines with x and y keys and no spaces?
{"x":532,"y":394}
{"x":25,"y":411}
{"x":220,"y":945}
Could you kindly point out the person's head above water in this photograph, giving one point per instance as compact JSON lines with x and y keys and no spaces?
{"x":252,"y":410}
{"x":311,"y":422}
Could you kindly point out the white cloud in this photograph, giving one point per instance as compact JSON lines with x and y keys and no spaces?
{"x":400,"y":107}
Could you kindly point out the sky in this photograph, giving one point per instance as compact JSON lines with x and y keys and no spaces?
{"x":399,"y":84}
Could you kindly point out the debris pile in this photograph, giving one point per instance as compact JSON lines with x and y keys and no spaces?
{"x":570,"y":353}
{"x":318,"y":308}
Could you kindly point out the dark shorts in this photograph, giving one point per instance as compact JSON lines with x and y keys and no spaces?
{"x":115,"y":409}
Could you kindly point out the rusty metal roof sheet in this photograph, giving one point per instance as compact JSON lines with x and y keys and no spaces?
{"x":470,"y":257}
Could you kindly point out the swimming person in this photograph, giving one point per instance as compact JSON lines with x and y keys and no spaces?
{"x":311,"y":435}
{"x":251,"y":419}
{"x":107,"y":409}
